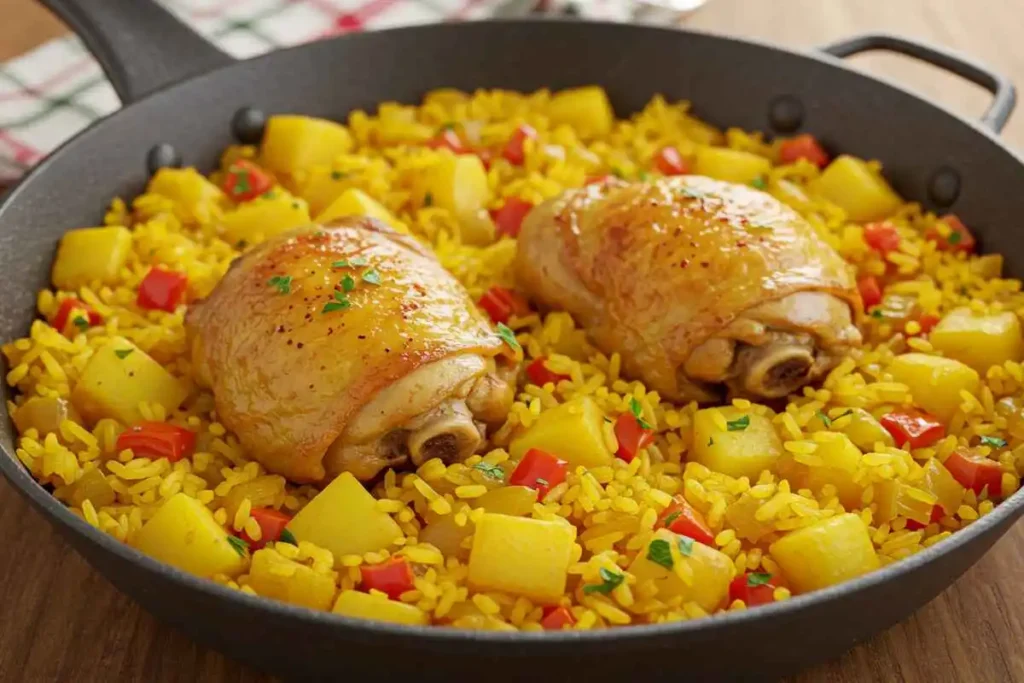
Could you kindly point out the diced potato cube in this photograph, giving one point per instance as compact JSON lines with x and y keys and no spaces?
{"x":748,"y":446}
{"x":521,"y":556}
{"x":828,"y":552}
{"x":712,"y":572}
{"x":457,"y":183}
{"x":263,"y":217}
{"x":183,"y":533}
{"x":572,"y":431}
{"x":118,"y":377}
{"x":742,"y":516}
{"x":586,"y":109}
{"x":507,"y":500}
{"x":44,"y":414}
{"x":91,"y":254}
{"x":355,"y":202}
{"x":840,"y":462}
{"x":864,"y":430}
{"x":857,"y":188}
{"x":193,"y":194}
{"x":915,"y":503}
{"x":447,"y":536}
{"x":730,"y":164}
{"x":344,"y":519}
{"x":935,"y":382}
{"x":275,"y":576}
{"x":980,"y":341}
{"x":292,"y":143}
{"x":939,"y":481}
{"x":884,"y":501}
{"x":92,"y":486}
{"x":365,"y":606}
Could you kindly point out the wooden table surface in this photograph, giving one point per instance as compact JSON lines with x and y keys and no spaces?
{"x":61,"y":621}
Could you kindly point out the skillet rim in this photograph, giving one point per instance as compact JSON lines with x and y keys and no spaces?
{"x":61,"y":516}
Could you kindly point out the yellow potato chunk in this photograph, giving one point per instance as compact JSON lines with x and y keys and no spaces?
{"x":745,"y":448}
{"x":980,"y":341}
{"x":275,"y":576}
{"x":355,"y":202}
{"x":344,"y":519}
{"x":939,"y":481}
{"x":263,"y":217}
{"x":733,"y":165}
{"x":840,"y":460}
{"x":826,"y":553}
{"x":516,"y":501}
{"x":710,"y":570}
{"x":291,"y":143}
{"x":44,"y":414}
{"x":572,"y":431}
{"x":90,"y":254}
{"x":935,"y":382}
{"x":521,"y":556}
{"x":457,"y":183}
{"x":857,"y":188}
{"x":365,"y":606}
{"x":183,"y":533}
{"x":192,"y":192}
{"x":586,"y":109}
{"x":118,"y":377}
{"x":864,"y":430}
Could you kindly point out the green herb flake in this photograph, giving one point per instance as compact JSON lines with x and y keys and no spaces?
{"x":955,"y":237}
{"x":685,"y":545}
{"x":319,"y":234}
{"x":492,"y":472}
{"x":739,"y":424}
{"x":758,"y":579}
{"x":619,"y":173}
{"x":371,"y":277}
{"x":337,"y":175}
{"x":81,"y":323}
{"x":877,"y":314}
{"x":269,"y":194}
{"x":123,"y":353}
{"x":287,"y":537}
{"x":340,"y":304}
{"x":282,"y":283}
{"x":842,"y":415}
{"x":242,"y":185}
{"x":609,"y":581}
{"x":638,"y":412}
{"x":671,"y":518}
{"x":993,"y":441}
{"x":660,"y":552}
{"x":643,"y":176}
{"x":343,"y":263}
{"x":759,"y":183}
{"x":240,"y":546}
{"x":825,"y":419}
{"x":508,"y":336}
{"x":360,"y":261}
{"x":348,"y":283}
{"x":711,"y":441}
{"x":428,"y":199}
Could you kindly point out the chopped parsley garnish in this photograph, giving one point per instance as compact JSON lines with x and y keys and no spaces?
{"x":123,"y":353}
{"x":711,"y":441}
{"x":428,"y":199}
{"x":660,"y":552}
{"x":643,"y":176}
{"x":954,"y":237}
{"x":371,"y":277}
{"x":507,"y":335}
{"x":282,"y":283}
{"x":269,"y":194}
{"x":618,"y":173}
{"x":759,"y":183}
{"x":348,"y":283}
{"x":337,"y":175}
{"x":242,"y":186}
{"x":359,"y":261}
{"x":610,"y":581}
{"x":340,"y":303}
{"x":319,"y":234}
{"x":877,"y":314}
{"x":490,"y":471}
{"x":239,"y":545}
{"x":993,"y":441}
{"x":343,"y":263}
{"x":739,"y":424}
{"x":842,"y":415}
{"x":81,"y":323}
{"x":685,"y":546}
{"x":825,"y":419}
{"x":287,"y":537}
{"x":758,"y":579}
{"x":638,"y":411}
{"x":671,"y":518}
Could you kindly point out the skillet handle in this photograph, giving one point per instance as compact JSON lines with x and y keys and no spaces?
{"x":141,"y":46}
{"x":1004,"y":95}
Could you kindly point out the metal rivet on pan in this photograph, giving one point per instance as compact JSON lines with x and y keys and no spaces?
{"x":785,"y":114}
{"x":247,"y":125}
{"x":944,"y":187}
{"x":161,"y":156}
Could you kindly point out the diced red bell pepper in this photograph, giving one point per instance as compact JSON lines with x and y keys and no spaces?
{"x":682,"y":518}
{"x":915,"y":427}
{"x":502,"y":303}
{"x":539,"y":471}
{"x":486,"y":157}
{"x":958,"y":239}
{"x":272,"y":523}
{"x":448,"y":139}
{"x":870,"y":291}
{"x":540,"y":375}
{"x":60,"y":320}
{"x":161,"y":290}
{"x":509,"y":218}
{"x":669,"y":161}
{"x":393,"y":577}
{"x":632,"y":436}
{"x":245,"y":180}
{"x":514,"y":149}
{"x":804,"y":146}
{"x":158,"y":440}
{"x":752,"y":589}
{"x":882,"y":237}
{"x":976,"y":472}
{"x":937,"y":514}
{"x":557,"y":618}
{"x":598,"y":179}
{"x":927,"y":322}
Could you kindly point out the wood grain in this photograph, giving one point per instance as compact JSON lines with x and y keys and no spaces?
{"x":61,"y":621}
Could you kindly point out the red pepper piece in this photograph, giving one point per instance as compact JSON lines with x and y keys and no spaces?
{"x":804,"y":146}
{"x":60,"y":319}
{"x":937,"y":514}
{"x":514,"y":149}
{"x":669,"y":161}
{"x":882,"y":237}
{"x":539,"y":471}
{"x":245,"y":180}
{"x":501,"y":304}
{"x":915,"y":427}
{"x":393,"y":577}
{"x":540,"y":375}
{"x":959,"y":238}
{"x":557,"y":618}
{"x":632,"y":436}
{"x":870,"y":291}
{"x":161,"y":290}
{"x":681,"y":518}
{"x":272,"y":523}
{"x":158,"y":440}
{"x":509,"y":218}
{"x":448,"y":139}
{"x":976,"y":472}
{"x":752,"y":589}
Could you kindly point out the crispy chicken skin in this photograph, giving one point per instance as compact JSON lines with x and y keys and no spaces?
{"x":703,"y":286}
{"x":409,"y":371}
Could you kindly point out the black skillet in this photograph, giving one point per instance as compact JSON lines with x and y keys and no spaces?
{"x":930,"y":155}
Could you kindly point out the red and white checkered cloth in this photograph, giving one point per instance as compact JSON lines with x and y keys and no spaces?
{"x":49,"y":94}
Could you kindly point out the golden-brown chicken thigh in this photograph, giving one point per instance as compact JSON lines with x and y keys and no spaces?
{"x":347,"y":347}
{"x":702,"y":286}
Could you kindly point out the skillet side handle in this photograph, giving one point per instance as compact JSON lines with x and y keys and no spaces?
{"x":141,"y":46}
{"x":1004,"y":95}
